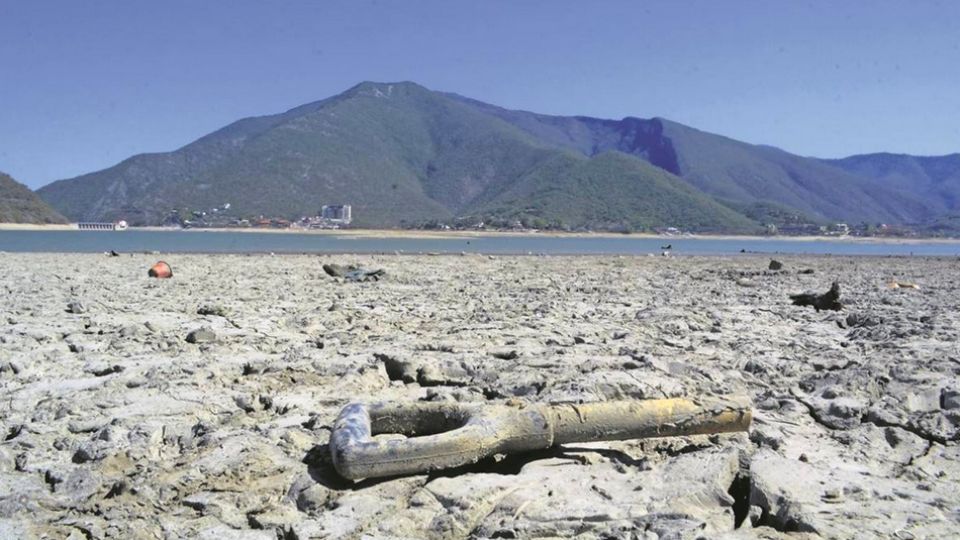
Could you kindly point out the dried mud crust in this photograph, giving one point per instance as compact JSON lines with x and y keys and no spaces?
{"x":200,"y":406}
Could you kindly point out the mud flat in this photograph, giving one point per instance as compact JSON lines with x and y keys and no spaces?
{"x":200,"y":406}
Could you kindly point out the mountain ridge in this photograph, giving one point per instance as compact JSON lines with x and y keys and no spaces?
{"x":403,"y":155}
{"x":935,"y":177}
{"x":656,"y":140}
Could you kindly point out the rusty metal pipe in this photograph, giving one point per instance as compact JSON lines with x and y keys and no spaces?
{"x":619,"y":420}
{"x":443,"y":435}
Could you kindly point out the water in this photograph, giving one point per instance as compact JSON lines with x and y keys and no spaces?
{"x":262,"y":242}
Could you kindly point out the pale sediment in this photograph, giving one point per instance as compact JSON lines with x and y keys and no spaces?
{"x":200,"y":406}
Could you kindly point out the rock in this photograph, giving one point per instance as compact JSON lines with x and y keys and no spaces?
{"x":858,"y":319}
{"x":87,"y":453}
{"x":84,"y":426}
{"x":218,"y":311}
{"x":950,"y":398}
{"x":755,"y":366}
{"x":78,"y":485}
{"x":837,"y":411}
{"x":10,"y":367}
{"x":780,"y":489}
{"x":247,"y":403}
{"x":353,"y":273}
{"x":766,"y":437}
{"x":136,"y":382}
{"x":775,"y":265}
{"x":132,"y":330}
{"x":201,"y":335}
{"x":218,"y":505}
{"x":314,"y":498}
{"x":14,"y":432}
{"x":85,"y":529}
{"x":103,"y":371}
{"x":110,"y":434}
{"x":444,"y":373}
{"x":76,"y":308}
{"x":299,"y":440}
{"x":833,"y":495}
{"x":53,"y":477}
{"x":274,"y":517}
{"x":399,"y":368}
{"x":465,"y":504}
{"x":337,"y":270}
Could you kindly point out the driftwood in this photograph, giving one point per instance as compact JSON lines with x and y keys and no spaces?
{"x":828,"y":300}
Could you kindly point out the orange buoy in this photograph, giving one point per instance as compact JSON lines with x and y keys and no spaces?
{"x":160,"y":270}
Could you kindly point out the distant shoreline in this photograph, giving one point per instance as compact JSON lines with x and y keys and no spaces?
{"x":411,"y":233}
{"x":37,"y":227}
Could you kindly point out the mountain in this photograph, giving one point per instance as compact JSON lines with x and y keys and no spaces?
{"x":734,"y":172}
{"x":402,"y":155}
{"x":611,"y":190}
{"x":933,"y":179}
{"x":20,"y":205}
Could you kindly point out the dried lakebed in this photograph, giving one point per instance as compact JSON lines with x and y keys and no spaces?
{"x":200,"y":406}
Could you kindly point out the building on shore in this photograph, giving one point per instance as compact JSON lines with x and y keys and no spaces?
{"x":337,"y":213}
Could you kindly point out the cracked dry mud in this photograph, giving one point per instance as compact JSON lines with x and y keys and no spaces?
{"x":116,"y":425}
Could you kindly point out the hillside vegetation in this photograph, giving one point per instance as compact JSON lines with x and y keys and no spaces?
{"x":20,"y":205}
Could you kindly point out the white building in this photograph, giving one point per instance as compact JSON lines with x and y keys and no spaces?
{"x":339,"y":213}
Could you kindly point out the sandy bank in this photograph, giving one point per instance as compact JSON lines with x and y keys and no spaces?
{"x":35,"y":227}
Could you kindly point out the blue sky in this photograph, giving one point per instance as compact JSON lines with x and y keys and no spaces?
{"x":84,"y":85}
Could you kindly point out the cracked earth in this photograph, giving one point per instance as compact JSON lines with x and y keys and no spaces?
{"x":200,"y":406}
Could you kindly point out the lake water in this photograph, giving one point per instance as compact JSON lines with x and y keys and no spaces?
{"x":253,"y":242}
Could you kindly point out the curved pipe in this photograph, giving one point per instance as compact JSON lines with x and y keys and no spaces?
{"x":443,"y":435}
